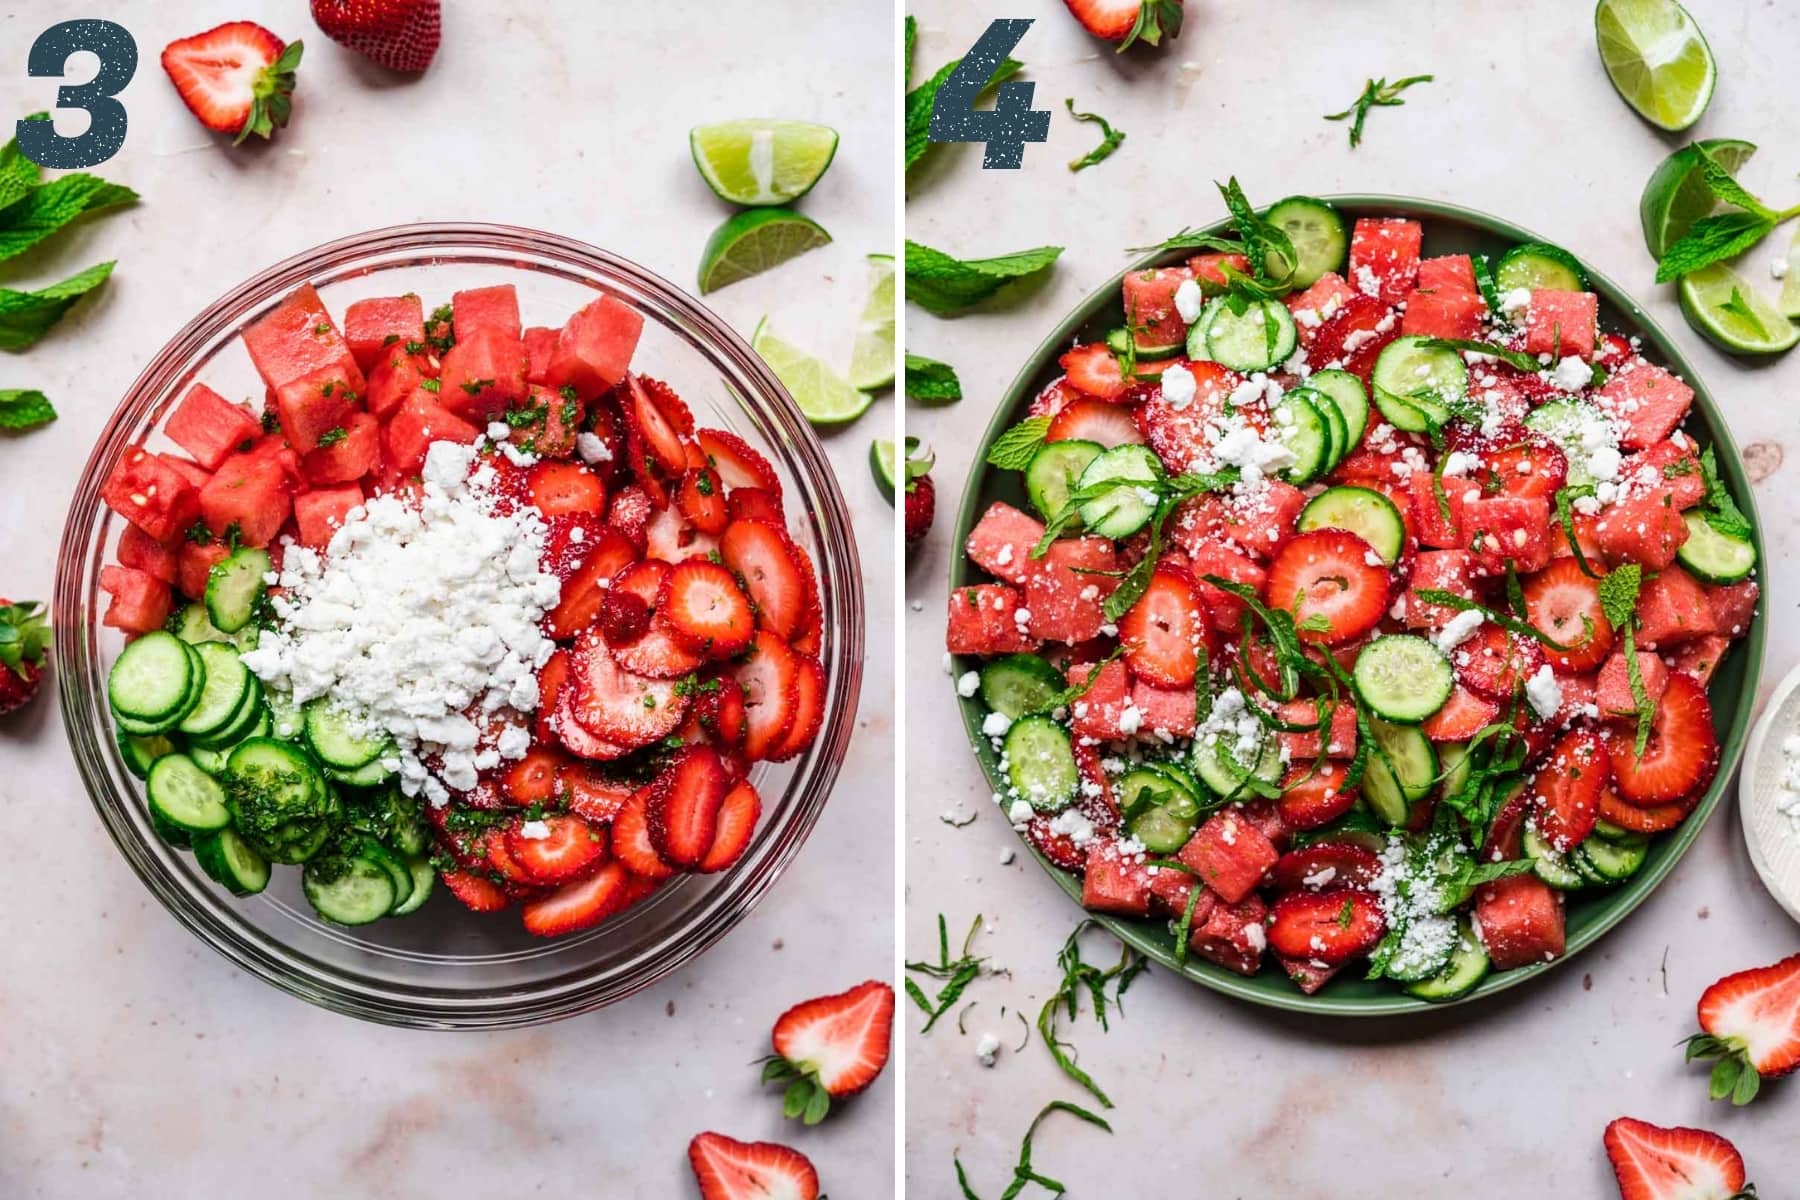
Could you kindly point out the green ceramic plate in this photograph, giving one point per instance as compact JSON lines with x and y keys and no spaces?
{"x":1448,"y":230}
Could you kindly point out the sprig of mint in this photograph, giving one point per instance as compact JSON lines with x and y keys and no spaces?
{"x":1263,"y":240}
{"x":22,"y":410}
{"x":1109,"y":138}
{"x":955,"y":973}
{"x":1721,"y":511}
{"x":943,"y":284}
{"x":27,"y":316}
{"x":1078,"y":976}
{"x":1376,"y":93}
{"x":1013,"y":450}
{"x":1720,"y":236}
{"x":931,"y":382}
{"x":48,"y":207}
{"x":920,"y":100}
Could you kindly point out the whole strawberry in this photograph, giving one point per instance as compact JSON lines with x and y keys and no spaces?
{"x":24,"y":640}
{"x":921,"y":507}
{"x":401,"y":35}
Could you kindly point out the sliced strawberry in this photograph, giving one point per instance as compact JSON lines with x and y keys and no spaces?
{"x":569,"y":541}
{"x":1059,"y":848}
{"x":1563,"y":601}
{"x":1654,"y":1163}
{"x":568,"y":850}
{"x":1312,"y":798}
{"x":1462,"y":716}
{"x":552,"y":676}
{"x":728,"y":1169}
{"x":1656,"y":818}
{"x":583,"y":904}
{"x":838,"y":1044}
{"x":618,"y":706}
{"x":755,"y":504}
{"x":684,"y":812}
{"x":649,"y":422}
{"x":631,"y":842}
{"x":658,"y":652}
{"x":809,"y":709}
{"x":532,"y":780}
{"x":1333,"y":583}
{"x":1357,"y":325}
{"x":557,"y":488}
{"x":1681,"y":755}
{"x":1094,"y":369}
{"x":717,"y":714}
{"x":669,"y":536}
{"x":577,"y":738}
{"x":739,"y":464}
{"x":629,"y":514}
{"x":738,"y":814}
{"x":624,"y":617}
{"x":701,"y":499}
{"x":769,"y":676}
{"x":705,"y":610}
{"x":236,"y":77}
{"x":1325,"y":866}
{"x":585,"y":590}
{"x":1328,"y":927}
{"x":764,"y":558}
{"x":1496,"y":663}
{"x":1084,"y":419}
{"x":1184,"y":436}
{"x":476,"y":893}
{"x":592,"y":793}
{"x":1164,"y":631}
{"x":1752,"y":1020}
{"x":1506,"y":832}
{"x":1565,"y":792}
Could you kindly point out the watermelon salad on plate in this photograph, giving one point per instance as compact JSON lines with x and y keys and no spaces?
{"x":459,"y":601}
{"x":1361,"y":606}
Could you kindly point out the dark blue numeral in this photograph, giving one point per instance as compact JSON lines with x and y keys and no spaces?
{"x":1011,"y":123}
{"x":117,"y":50}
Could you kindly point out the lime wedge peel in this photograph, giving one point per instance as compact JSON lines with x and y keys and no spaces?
{"x":753,"y":241}
{"x":1727,"y":310}
{"x":762,"y":162}
{"x":1657,"y":59}
{"x":824,"y":397}
{"x":884,"y":463}
{"x":1676,"y":195}
{"x":872,"y":354}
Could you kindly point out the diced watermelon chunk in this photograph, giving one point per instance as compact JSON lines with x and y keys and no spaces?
{"x":1612,"y":691}
{"x":1150,"y":305}
{"x":983,"y":620}
{"x":142,"y":552}
{"x":1733,"y":605}
{"x":1170,"y":888}
{"x":140,"y":601}
{"x":1304,"y":746}
{"x":1163,"y":710}
{"x":1223,"y":610}
{"x":1585,"y":538}
{"x":1675,"y":466}
{"x":1387,"y":248}
{"x":1520,"y":921}
{"x":1263,"y":521}
{"x":1002,"y":541}
{"x":1427,"y":509}
{"x":1651,"y":402}
{"x":209,"y":427}
{"x":1116,"y":883}
{"x":410,"y":432}
{"x":1441,"y":571}
{"x":1699,"y":658}
{"x":1231,"y":855}
{"x":187,"y":468}
{"x":1446,"y":302}
{"x":1645,"y":529}
{"x":483,"y":375}
{"x":1208,"y":269}
{"x":594,"y":349}
{"x":156,"y":497}
{"x":1559,"y":322}
{"x":1234,"y":936}
{"x":1099,"y":710}
{"x":1508,"y":529}
{"x":350,"y":457}
{"x":196,"y":565}
{"x":316,"y":403}
{"x":373,"y":325}
{"x":395,"y":376}
{"x":1318,"y":304}
{"x":1308,"y":976}
{"x":1673,"y":608}
{"x":1067,"y":588}
{"x":540,"y":349}
{"x":297,"y":338}
{"x":250,"y":491}
{"x":494,"y":308}
{"x":321,"y":512}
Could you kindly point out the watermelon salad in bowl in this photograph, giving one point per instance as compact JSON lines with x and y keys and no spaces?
{"x":460,"y":626}
{"x":1357,"y":607}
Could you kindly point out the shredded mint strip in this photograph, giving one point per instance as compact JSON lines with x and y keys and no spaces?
{"x":1109,"y":138}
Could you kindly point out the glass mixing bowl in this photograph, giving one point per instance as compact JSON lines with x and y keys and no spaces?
{"x":445,"y":967}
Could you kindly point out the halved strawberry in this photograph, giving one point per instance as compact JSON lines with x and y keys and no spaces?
{"x":684,"y":812}
{"x":584,"y":592}
{"x":1750,"y":1023}
{"x":1328,"y":927}
{"x":618,"y":706}
{"x":1128,"y":21}
{"x":1163,"y":632}
{"x":629,"y":514}
{"x":645,"y":415}
{"x":1325,"y":866}
{"x":658,"y":652}
{"x":1095,"y":370}
{"x":568,"y":850}
{"x":769,"y":676}
{"x":1333,"y":583}
{"x":739,"y":464}
{"x":809,"y":709}
{"x":532,"y":780}
{"x":585,"y":903}
{"x":1654,"y":1163}
{"x":728,"y":1169}
{"x":558,"y":488}
{"x":1311,"y":797}
{"x":831,"y":1047}
{"x":1091,"y":420}
{"x":1563,"y":601}
{"x":236,"y":77}
{"x":1681,"y":755}
{"x":1565,"y":792}
{"x":764,"y":558}
{"x":738,"y":814}
{"x":705,"y":610}
{"x":476,"y":893}
{"x":1496,"y":663}
{"x":1462,"y":716}
{"x":701,"y":499}
{"x":631,"y":843}
{"x":593,"y":793}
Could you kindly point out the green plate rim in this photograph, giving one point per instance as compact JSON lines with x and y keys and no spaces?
{"x":1270,"y":988}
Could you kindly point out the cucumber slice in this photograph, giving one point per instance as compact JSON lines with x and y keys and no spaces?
{"x":1317,"y":232}
{"x":1713,"y":556}
{"x":140,"y":753}
{"x":1040,"y":764}
{"x":1120,"y":340}
{"x":209,"y":760}
{"x":231,"y":862}
{"x":1159,"y":809}
{"x":279,"y":799}
{"x":287,"y":720}
{"x":1419,"y":387}
{"x":1611,"y":862}
{"x":1334,"y":423}
{"x":423,"y":880}
{"x":240,"y":725}
{"x":1365,"y":512}
{"x":348,"y":889}
{"x":332,"y":736}
{"x":1550,"y":864}
{"x":234,"y":586}
{"x":398,"y":872}
{"x":1605,"y":830}
{"x":1352,"y":400}
{"x":1427,"y":945}
{"x":1468,"y":966}
{"x":1124,"y":509}
{"x":1402,"y":774}
{"x":1255,"y":341}
{"x":1539,"y":265}
{"x":227,"y":684}
{"x":1054,"y":472}
{"x":1216,"y":763}
{"x":1562,"y":421}
{"x":1020,"y":684}
{"x":193,"y":626}
{"x":1453,"y":760}
{"x":371,"y":774}
{"x":185,"y":797}
{"x":1196,"y":338}
{"x":152,"y":684}
{"x":1403,"y":678}
{"x":1305,"y":435}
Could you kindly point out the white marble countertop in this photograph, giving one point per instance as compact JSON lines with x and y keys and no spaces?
{"x":1229,"y":1099}
{"x":135,"y":1062}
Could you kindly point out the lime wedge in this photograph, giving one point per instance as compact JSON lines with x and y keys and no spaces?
{"x":762,"y":162}
{"x":872,"y":354}
{"x":821,"y":393}
{"x":1677,"y":196}
{"x":1657,"y":59}
{"x":1790,"y":278}
{"x":1721,"y":304}
{"x":752,"y":242}
{"x":883,"y":462}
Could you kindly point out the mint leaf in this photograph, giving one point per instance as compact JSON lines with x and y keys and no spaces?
{"x":920,"y":100}
{"x":1712,"y":239}
{"x":930,"y":381}
{"x":45,"y":209}
{"x":912,"y":36}
{"x":1263,"y":240}
{"x":1518,"y":360}
{"x":18,"y":174}
{"x":1377,"y":93}
{"x":27,"y":316}
{"x":1724,"y":186}
{"x":942,"y":284}
{"x":1640,"y":695}
{"x":1013,"y":450}
{"x":1109,"y":138}
{"x":23,"y":410}
{"x":1191,"y":239}
{"x":1619,"y":593}
{"x":1722,"y":512}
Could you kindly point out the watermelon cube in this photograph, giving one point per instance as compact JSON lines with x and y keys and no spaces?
{"x":1308,"y":976}
{"x":1612,"y":690}
{"x":251,"y":492}
{"x":1440,"y":571}
{"x":1170,"y":888}
{"x":1675,"y":466}
{"x":349,"y":457}
{"x":1303,"y":747}
{"x":139,"y":550}
{"x":1318,"y":304}
{"x":1208,"y":269}
{"x":1562,"y":323}
{"x":1508,"y":529}
{"x":1673,"y":608}
{"x":314,"y":404}
{"x":1002,"y":541}
{"x":418,"y":423}
{"x":371,"y":326}
{"x":1699,"y":658}
{"x":140,"y":601}
{"x":1098,"y":711}
{"x":483,"y":374}
{"x":1733,"y":605}
{"x":1231,"y":855}
{"x":1445,"y":303}
{"x":1234,"y":936}
{"x":494,"y":308}
{"x":983,"y":621}
{"x":1150,"y":305}
{"x":1645,"y":529}
{"x":1263,"y":522}
{"x":594,"y":348}
{"x":1520,"y":921}
{"x":1384,"y":257}
{"x":1163,"y":710}
{"x":297,"y":338}
{"x":153,"y":495}
{"x":196,"y":564}
{"x":540,"y":349}
{"x":395,"y":376}
{"x":320,"y":513}
{"x":1116,"y":883}
{"x":1066,"y":590}
{"x":1438,"y":519}
{"x":187,"y":468}
{"x":209,"y":427}
{"x":1223,"y":610}
{"x":1651,"y":402}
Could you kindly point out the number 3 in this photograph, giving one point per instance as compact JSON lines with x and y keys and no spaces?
{"x":38,"y":140}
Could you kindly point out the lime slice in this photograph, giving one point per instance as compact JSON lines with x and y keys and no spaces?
{"x":1677,"y":196}
{"x":1790,"y":278}
{"x":1722,"y":305}
{"x":752,"y":242}
{"x":883,"y":462}
{"x":872,"y":354}
{"x":762,"y":162}
{"x":819,"y":391}
{"x":1657,"y":59}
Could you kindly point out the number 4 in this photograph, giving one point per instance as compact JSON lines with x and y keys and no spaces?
{"x":105,"y":134}
{"x":1011,"y":123}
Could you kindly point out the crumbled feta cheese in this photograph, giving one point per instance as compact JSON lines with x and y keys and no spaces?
{"x":1178,"y":387}
{"x":995,"y":724}
{"x":1544,"y":693}
{"x":534,"y":831}
{"x":1458,"y":629}
{"x":591,"y":449}
{"x":1189,"y":301}
{"x":498,"y":431}
{"x":968,"y":684}
{"x":987,"y":1049}
{"x":1514,"y":301}
{"x":1019,"y":812}
{"x":1572,"y":373}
